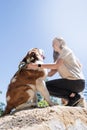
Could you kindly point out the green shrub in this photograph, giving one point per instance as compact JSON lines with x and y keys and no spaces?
{"x":43,"y":103}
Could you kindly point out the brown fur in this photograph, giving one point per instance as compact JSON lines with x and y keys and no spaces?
{"x":18,"y":90}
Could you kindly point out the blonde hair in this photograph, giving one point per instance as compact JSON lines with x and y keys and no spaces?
{"x":61,"y":41}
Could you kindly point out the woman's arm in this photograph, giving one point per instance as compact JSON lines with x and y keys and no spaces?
{"x":47,"y":66}
{"x":52,"y":72}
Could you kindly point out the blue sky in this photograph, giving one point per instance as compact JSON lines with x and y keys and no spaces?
{"x":25,"y":24}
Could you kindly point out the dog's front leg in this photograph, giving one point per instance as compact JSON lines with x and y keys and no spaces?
{"x":41,"y":87}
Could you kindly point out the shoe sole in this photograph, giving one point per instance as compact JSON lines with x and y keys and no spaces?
{"x":79,"y":103}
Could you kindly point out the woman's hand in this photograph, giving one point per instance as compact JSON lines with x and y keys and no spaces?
{"x":51,"y":73}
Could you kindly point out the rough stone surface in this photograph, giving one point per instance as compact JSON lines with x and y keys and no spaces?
{"x":49,"y":118}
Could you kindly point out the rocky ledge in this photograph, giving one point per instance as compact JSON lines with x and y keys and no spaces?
{"x":49,"y":118}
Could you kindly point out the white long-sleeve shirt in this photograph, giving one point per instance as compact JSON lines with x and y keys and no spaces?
{"x":71,"y":68}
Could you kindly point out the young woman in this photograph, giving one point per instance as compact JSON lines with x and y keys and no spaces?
{"x":72,"y":81}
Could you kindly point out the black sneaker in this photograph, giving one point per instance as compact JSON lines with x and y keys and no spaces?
{"x":74,"y":100}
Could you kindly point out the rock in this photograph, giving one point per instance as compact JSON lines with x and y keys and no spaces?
{"x":49,"y":118}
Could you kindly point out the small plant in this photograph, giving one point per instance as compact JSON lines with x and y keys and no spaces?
{"x":43,"y":103}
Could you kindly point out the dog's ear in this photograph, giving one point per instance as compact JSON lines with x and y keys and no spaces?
{"x":25,"y":58}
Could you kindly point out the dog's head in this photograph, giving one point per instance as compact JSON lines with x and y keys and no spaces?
{"x":33,"y":55}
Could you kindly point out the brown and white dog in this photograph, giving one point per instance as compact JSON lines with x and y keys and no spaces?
{"x":22,"y":89}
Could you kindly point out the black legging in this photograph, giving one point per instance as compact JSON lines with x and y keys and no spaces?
{"x":62,"y":88}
